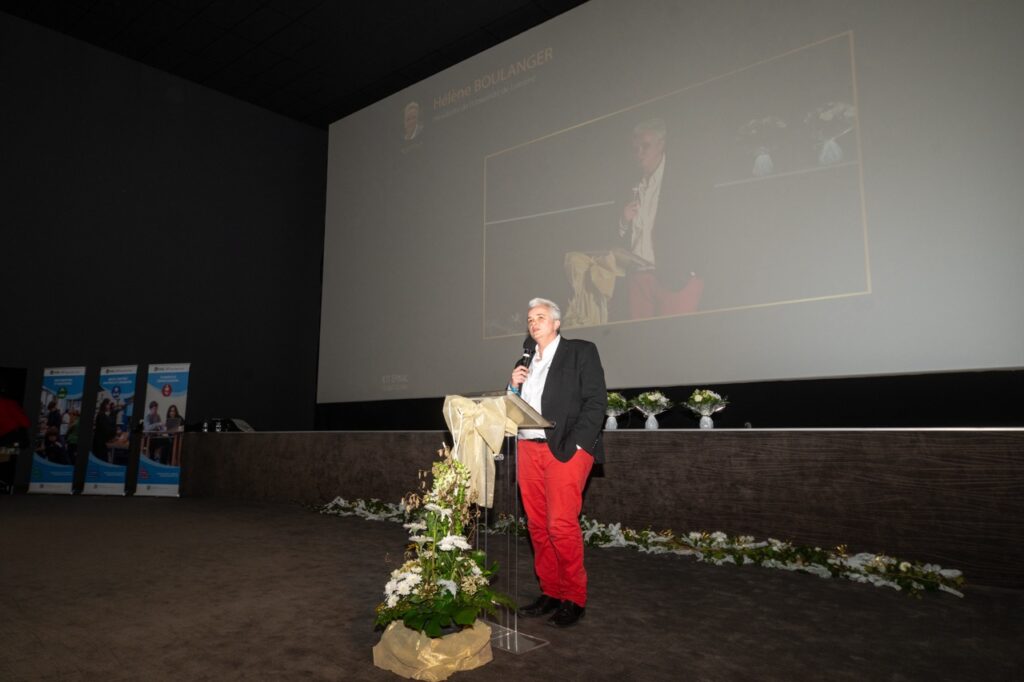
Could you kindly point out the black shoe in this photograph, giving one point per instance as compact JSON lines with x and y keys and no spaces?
{"x":567,"y":614}
{"x":541,"y":606}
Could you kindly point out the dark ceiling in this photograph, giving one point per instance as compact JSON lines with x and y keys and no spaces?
{"x":311,"y":60}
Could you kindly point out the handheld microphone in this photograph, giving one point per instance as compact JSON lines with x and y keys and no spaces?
{"x":529,"y":348}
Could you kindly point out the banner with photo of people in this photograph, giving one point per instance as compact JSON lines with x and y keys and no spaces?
{"x":162,"y":426}
{"x":109,"y":455}
{"x":55,"y":445}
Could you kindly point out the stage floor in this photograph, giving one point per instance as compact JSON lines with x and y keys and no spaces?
{"x":203,"y":589}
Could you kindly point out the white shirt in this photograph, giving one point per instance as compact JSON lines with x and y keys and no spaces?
{"x":642,"y":230}
{"x":533,"y":387}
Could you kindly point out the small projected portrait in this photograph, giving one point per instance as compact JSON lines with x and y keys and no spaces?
{"x":411,"y":121}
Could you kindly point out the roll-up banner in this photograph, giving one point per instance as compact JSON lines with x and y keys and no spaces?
{"x":55,"y":446}
{"x":162,"y":428}
{"x":111,"y":430}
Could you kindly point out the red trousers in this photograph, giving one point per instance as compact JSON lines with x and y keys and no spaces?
{"x":552,"y":494}
{"x":647,"y":298}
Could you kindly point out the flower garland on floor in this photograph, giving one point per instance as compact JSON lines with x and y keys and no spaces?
{"x":718,"y":548}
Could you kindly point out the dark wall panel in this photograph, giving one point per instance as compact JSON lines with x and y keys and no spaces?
{"x":307,"y":468}
{"x":149,"y":219}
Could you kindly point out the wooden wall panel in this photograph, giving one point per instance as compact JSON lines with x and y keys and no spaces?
{"x":953,"y":497}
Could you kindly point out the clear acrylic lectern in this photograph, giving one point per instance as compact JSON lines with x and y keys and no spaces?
{"x":507,"y":549}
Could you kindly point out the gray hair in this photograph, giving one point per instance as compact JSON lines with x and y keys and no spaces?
{"x":556,"y":312}
{"x":652,"y":125}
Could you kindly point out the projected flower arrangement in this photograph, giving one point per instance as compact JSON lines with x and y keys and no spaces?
{"x":828,"y":124}
{"x":762,"y":136}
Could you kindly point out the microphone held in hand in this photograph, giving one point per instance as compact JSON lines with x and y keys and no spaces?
{"x":529,"y":348}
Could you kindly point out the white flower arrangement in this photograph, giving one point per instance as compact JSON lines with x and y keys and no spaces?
{"x":706,"y":402}
{"x":450,"y":543}
{"x":617,"y":404}
{"x":443,"y":583}
{"x":651,"y":403}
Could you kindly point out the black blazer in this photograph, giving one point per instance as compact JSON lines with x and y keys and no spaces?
{"x":575,"y":399}
{"x":679,"y":234}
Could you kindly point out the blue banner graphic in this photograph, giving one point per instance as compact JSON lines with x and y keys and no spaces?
{"x":55,"y":446}
{"x":111,"y":445}
{"x":162,"y":428}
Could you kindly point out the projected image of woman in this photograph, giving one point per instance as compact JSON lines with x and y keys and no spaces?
{"x":663,"y":277}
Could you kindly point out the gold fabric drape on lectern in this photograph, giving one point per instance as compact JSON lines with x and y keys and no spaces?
{"x":593,"y":282}
{"x":478,"y":427}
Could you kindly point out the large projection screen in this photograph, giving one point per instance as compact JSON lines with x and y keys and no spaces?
{"x":840,"y":195}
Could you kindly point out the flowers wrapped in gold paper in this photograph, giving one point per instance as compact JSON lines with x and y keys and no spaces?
{"x":413,"y":655}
